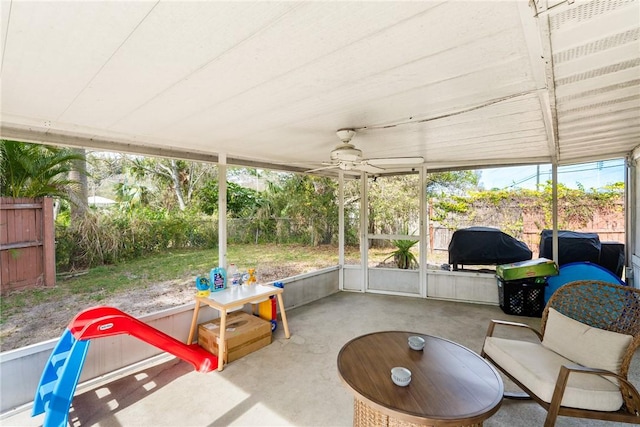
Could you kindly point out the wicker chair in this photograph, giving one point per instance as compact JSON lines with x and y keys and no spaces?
{"x":594,"y":304}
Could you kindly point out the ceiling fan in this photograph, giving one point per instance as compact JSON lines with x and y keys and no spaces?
{"x":347,"y":157}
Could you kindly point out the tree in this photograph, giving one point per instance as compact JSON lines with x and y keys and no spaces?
{"x":131,"y":196}
{"x":306,"y":200}
{"x":394,"y":203}
{"x":241,"y":201}
{"x":457,"y":182}
{"x":178,"y":176}
{"x":253,"y":178}
{"x":33,"y":170}
{"x":79,"y":190}
{"x":104,"y":167}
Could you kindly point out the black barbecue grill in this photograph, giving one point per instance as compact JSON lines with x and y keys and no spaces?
{"x":485,"y":246}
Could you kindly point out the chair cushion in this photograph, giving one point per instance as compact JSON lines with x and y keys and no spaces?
{"x":584,"y":344}
{"x":537,"y":368}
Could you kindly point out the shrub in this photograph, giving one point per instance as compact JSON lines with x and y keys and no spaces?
{"x":403,"y":256}
{"x":110,"y":236}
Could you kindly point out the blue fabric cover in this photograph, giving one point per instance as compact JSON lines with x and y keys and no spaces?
{"x":578,"y":271}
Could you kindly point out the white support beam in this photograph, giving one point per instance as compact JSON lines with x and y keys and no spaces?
{"x":222,"y":210}
{"x":632,"y":247}
{"x":48,"y":137}
{"x":554,"y":210}
{"x":364,"y":240}
{"x":424,"y":231}
{"x":40,"y":135}
{"x":538,"y":37}
{"x":341,"y":229}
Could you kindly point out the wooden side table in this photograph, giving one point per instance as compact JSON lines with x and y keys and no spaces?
{"x":450,"y":384}
{"x":235,"y":297}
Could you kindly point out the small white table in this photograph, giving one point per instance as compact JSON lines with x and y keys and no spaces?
{"x":234,"y":297}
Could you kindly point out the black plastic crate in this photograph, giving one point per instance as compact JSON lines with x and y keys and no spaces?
{"x":522,"y":297}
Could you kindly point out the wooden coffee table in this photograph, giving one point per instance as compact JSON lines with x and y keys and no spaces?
{"x":450,"y":384}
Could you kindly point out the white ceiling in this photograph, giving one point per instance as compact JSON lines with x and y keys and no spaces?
{"x":461,"y":83}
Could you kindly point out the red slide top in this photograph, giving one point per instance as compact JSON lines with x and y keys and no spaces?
{"x":103,"y":321}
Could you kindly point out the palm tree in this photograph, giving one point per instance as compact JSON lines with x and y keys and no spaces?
{"x":33,"y":170}
{"x":79,"y":192}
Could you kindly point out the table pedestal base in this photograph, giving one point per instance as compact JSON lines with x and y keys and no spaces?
{"x":366,"y":416}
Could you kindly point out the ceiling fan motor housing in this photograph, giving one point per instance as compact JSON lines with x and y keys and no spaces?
{"x":347,"y":153}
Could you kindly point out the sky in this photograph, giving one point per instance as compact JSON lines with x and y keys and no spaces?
{"x":589,"y":175}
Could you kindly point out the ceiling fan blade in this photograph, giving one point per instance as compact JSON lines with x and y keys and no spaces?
{"x":323,"y":168}
{"x":396,"y":161}
{"x":369,"y":168}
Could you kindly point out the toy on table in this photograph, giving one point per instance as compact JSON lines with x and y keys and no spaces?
{"x":251,"y":280}
{"x":203,"y":286}
{"x":234,"y":276}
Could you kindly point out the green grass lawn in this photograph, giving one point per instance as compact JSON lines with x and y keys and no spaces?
{"x":98,"y":283}
{"x":101,"y":281}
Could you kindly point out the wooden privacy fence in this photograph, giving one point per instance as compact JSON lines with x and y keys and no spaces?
{"x":27,"y":243}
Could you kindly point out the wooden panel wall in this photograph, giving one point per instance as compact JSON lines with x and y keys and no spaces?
{"x":27,"y":245}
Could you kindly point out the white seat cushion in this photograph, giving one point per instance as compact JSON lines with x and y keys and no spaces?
{"x":584,"y":344}
{"x":537,"y":367}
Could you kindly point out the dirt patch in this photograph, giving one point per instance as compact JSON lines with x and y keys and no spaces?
{"x":47,"y":320}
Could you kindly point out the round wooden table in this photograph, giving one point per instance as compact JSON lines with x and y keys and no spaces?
{"x":450,"y":384}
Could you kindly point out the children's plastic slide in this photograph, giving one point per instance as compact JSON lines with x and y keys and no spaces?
{"x":62,"y":371}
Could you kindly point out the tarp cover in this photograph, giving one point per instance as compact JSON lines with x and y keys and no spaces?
{"x":573,"y":246}
{"x":579,"y":271}
{"x":485,"y":246}
{"x":612,"y":257}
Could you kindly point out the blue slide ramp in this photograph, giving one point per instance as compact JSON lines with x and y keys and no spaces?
{"x":59,"y":379}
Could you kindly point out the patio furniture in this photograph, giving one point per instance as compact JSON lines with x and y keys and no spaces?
{"x":450,"y":384}
{"x":579,"y":363}
{"x":232,"y":298}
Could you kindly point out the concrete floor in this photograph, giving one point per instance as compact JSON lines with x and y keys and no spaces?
{"x":294,"y":381}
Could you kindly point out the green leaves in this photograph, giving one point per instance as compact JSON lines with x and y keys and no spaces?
{"x":241,"y":201}
{"x":32,"y":170}
{"x":306,"y":199}
{"x":403,"y":256}
{"x":576,"y":207}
